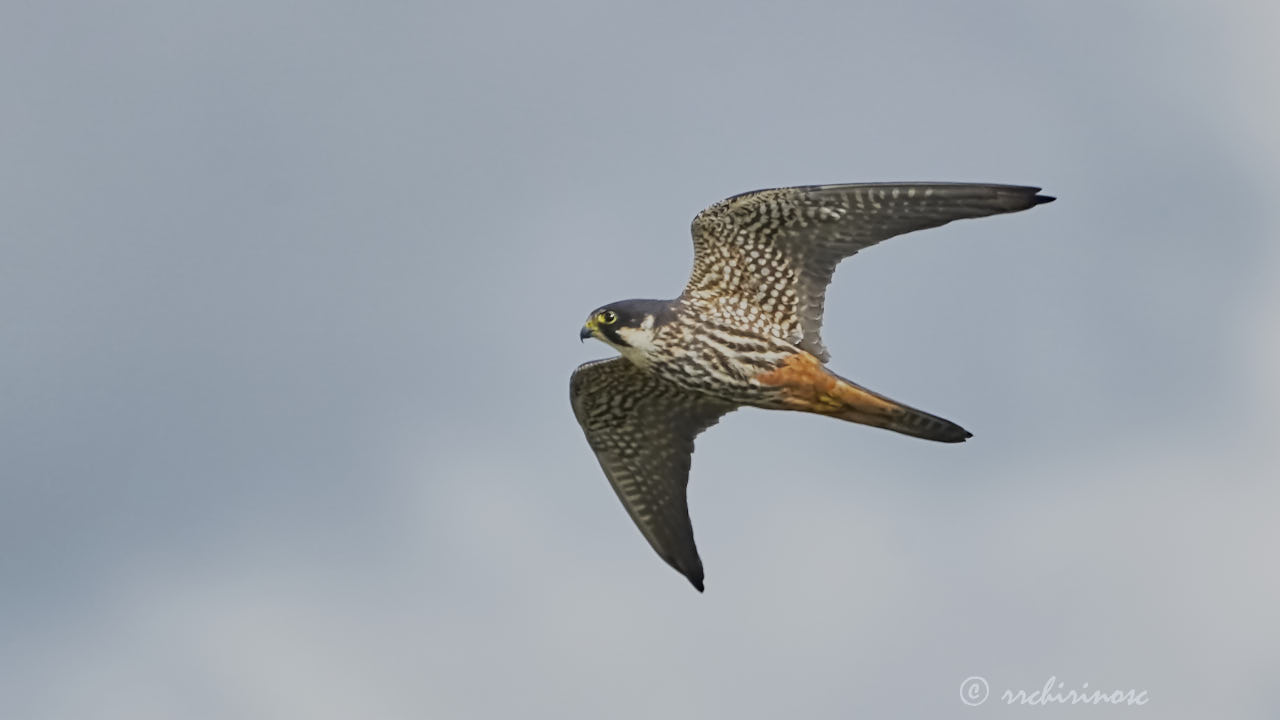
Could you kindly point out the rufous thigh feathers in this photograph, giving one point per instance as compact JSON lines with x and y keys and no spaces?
{"x":809,"y":387}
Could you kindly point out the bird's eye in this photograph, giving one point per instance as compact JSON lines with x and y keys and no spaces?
{"x":607,"y":317}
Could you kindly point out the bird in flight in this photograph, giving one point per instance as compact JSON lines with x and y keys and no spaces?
{"x":746,"y":332}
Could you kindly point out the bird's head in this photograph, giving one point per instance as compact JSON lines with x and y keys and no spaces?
{"x":628,"y":325}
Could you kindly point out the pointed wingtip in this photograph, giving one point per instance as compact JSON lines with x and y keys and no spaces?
{"x":696,"y":581}
{"x":1042,"y":199}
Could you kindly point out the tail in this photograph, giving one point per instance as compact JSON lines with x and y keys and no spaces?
{"x":860,"y":405}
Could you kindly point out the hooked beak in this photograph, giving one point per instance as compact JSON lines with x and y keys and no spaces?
{"x":586,"y":332}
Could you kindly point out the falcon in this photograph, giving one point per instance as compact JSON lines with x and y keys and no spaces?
{"x":746,"y":331}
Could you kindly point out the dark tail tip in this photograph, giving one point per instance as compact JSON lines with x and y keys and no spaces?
{"x":939,"y":430}
{"x":948,"y":435}
{"x":1042,"y":199}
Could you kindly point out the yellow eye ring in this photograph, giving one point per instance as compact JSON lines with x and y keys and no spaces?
{"x":607,"y":317}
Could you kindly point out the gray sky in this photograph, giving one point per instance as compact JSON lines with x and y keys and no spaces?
{"x":289,"y":297}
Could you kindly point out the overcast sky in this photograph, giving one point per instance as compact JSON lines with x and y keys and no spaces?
{"x":290,"y":294}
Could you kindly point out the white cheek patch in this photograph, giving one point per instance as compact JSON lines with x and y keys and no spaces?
{"x":639,"y":342}
{"x":638,"y":338}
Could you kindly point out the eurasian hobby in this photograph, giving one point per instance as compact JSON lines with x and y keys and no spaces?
{"x":745,"y":331}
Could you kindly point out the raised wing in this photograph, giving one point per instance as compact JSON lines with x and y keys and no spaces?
{"x":768,"y":256}
{"x":641,"y":428}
